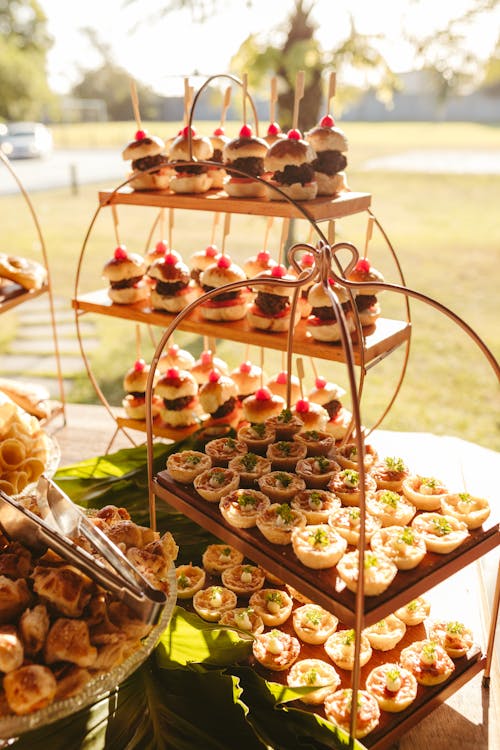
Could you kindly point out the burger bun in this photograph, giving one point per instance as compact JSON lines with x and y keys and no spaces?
{"x":129,"y":295}
{"x":245,"y":188}
{"x":296,"y":191}
{"x":192,"y":183}
{"x":257,"y":319}
{"x":331,"y":184}
{"x":152,"y":145}
{"x":327,"y":139}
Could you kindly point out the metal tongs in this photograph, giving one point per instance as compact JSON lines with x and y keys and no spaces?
{"x":61,"y":518}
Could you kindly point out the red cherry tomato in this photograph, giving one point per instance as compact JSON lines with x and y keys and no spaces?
{"x":139,"y":365}
{"x":273,"y":129}
{"x":282,"y":377}
{"x":264,"y":256}
{"x":278,"y":271}
{"x":246,"y":131}
{"x":294,"y":134}
{"x":245,"y":367}
{"x":206,"y":357}
{"x":320,"y":382}
{"x":263,"y":394}
{"x":302,"y":406}
{"x":173,"y":349}
{"x":161,"y":247}
{"x":211,"y":251}
{"x":363,"y":265}
{"x":172,"y":373}
{"x":224,"y":261}
{"x":140,"y":135}
{"x":307,"y":260}
{"x":185,"y":132}
{"x":219,"y":131}
{"x":170,"y":259}
{"x":121,"y":253}
{"x":214,"y":376}
{"x":327,"y":121}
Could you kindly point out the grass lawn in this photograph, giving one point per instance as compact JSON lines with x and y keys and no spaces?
{"x":443,"y":227}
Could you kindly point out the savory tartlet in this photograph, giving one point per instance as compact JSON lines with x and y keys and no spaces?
{"x":424,"y":492}
{"x":389,"y":473}
{"x":454,"y":636}
{"x":401,"y":544}
{"x":285,"y":424}
{"x":190,"y":579}
{"x":284,"y":454}
{"x":340,"y":648}
{"x":222,"y":450}
{"x":338,"y":708}
{"x":391,"y":508}
{"x":318,"y":546}
{"x":244,"y":579}
{"x":379,"y":572}
{"x":241,"y":507}
{"x":442,"y":534}
{"x":256,"y":436}
{"x":346,"y":485}
{"x":243,"y":618}
{"x":212,"y":602}
{"x":471,"y":510}
{"x":317,"y":471}
{"x":313,"y":673}
{"x":216,"y":482}
{"x":385,"y":634}
{"x":218,"y":557}
{"x":317,"y":443}
{"x":281,"y":486}
{"x":272,"y":605}
{"x":347,"y":521}
{"x":278,"y":521}
{"x":250,"y":467}
{"x":414,"y":612}
{"x":276,"y":650}
{"x":185,"y":466}
{"x":317,"y":505}
{"x":393,"y":687}
{"x":347,"y":456}
{"x":313,"y":624}
{"x":427,"y":661}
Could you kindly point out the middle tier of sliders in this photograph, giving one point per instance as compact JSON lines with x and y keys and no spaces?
{"x":324,"y":587}
{"x":378,"y":340}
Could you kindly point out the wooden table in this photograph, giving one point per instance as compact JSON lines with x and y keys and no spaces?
{"x":471,"y":717}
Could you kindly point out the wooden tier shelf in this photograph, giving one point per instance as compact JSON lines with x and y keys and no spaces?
{"x":12,"y":295}
{"x":319,"y":209}
{"x":324,"y":586}
{"x":379,"y":341}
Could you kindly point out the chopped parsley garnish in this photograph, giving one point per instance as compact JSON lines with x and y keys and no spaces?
{"x":354,"y":513}
{"x":284,"y":447}
{"x":348,"y":638}
{"x":370,"y":560}
{"x":218,"y":475}
{"x":249,"y":461}
{"x":215,"y":592}
{"x":429,"y":482}
{"x":183,"y":581}
{"x":285,"y":512}
{"x":230,"y":443}
{"x":311,"y":435}
{"x":323,"y":463}
{"x":393,"y":674}
{"x":316,"y":498}
{"x":465,"y":497}
{"x":442,"y":526}
{"x":311,"y":676}
{"x":283,"y":478}
{"x":192,"y":459}
{"x":274,"y":596}
{"x":259,"y":429}
{"x":429,"y":650}
{"x":350,"y":477}
{"x":388,"y":497}
{"x":284,"y":416}
{"x":411,"y":607}
{"x":313,"y":616}
{"x":394,"y":464}
{"x":319,"y":538}
{"x":246,"y":498}
{"x":456,"y":628}
{"x":407,"y":536}
{"x":226,"y":551}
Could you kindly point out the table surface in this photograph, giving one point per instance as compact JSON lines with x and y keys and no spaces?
{"x":471,"y":717}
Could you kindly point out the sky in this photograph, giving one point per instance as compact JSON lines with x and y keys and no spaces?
{"x":162,"y":53}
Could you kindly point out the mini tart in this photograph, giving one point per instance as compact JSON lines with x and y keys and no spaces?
{"x":455,"y":638}
{"x":414,"y":612}
{"x":424,"y":492}
{"x":241,"y":507}
{"x":273,"y":605}
{"x":243,"y":618}
{"x":442,"y":533}
{"x":385,"y":634}
{"x":340,"y":648}
{"x":390,"y":508}
{"x":471,"y":510}
{"x":212,"y":602}
{"x":216,"y":482}
{"x":390,"y":473}
{"x":338,"y":707}
{"x":393,"y":687}
{"x":256,"y":436}
{"x":185,"y":466}
{"x":316,"y":471}
{"x":401,"y":544}
{"x":250,"y":467}
{"x":243,"y":579}
{"x":285,"y":424}
{"x":345,"y":484}
{"x":347,"y":456}
{"x":347,"y":521}
{"x":276,"y":650}
{"x":222,"y":450}
{"x":318,"y":546}
{"x":379,"y":572}
{"x":190,"y":579}
{"x":218,"y":557}
{"x":312,"y":672}
{"x":281,"y":486}
{"x":427,"y":661}
{"x":277,"y":522}
{"x":313,"y":624}
{"x":284,"y":454}
{"x":318,"y":443}
{"x":317,"y":505}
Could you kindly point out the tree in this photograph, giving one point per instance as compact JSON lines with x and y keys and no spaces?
{"x":24,"y":43}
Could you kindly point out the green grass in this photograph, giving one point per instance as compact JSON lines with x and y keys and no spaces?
{"x":444,"y":229}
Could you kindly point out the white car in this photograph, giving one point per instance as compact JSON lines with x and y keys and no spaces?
{"x":26,"y":140}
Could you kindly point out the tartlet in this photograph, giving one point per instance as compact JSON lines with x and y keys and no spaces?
{"x":347,"y":521}
{"x":393,"y":687}
{"x":277,"y":522}
{"x":442,"y":534}
{"x":318,"y":546}
{"x":243,"y":618}
{"x":346,"y":485}
{"x":218,"y":557}
{"x":389,"y":473}
{"x":272,"y":605}
{"x":284,"y":454}
{"x":222,"y":450}
{"x":243,"y":579}
{"x":313,"y":624}
{"x":471,"y":510}
{"x":281,"y":486}
{"x":427,"y":661}
{"x":216,"y":482}
{"x":311,"y":673}
{"x":385,"y":634}
{"x":317,"y":505}
{"x":256,"y":436}
{"x":276,"y":650}
{"x":340,"y":648}
{"x":347,"y":456}
{"x":212,"y":602}
{"x":241,"y":507}
{"x":379,"y":572}
{"x":285,"y":424}
{"x":424,"y":492}
{"x":401,"y":544}
{"x":190,"y":579}
{"x":250,"y":467}
{"x":317,"y":471}
{"x":391,"y":508}
{"x":454,"y":636}
{"x":414,"y":612}
{"x":185,"y":466}
{"x":338,"y":707}
{"x":317,"y":442}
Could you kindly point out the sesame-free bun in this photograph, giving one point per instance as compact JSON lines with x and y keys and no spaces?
{"x":129,"y":295}
{"x":225,"y":312}
{"x":328,"y":330}
{"x":175,"y":357}
{"x":370,"y":315}
{"x":152,"y":145}
{"x":278,"y":385}
{"x":185,"y":417}
{"x":170,"y":387}
{"x":245,"y":189}
{"x":158,"y":180}
{"x":201,"y":146}
{"x":260,"y":320}
{"x":118,"y":269}
{"x":215,"y":393}
{"x":218,"y":177}
{"x":288,"y":152}
{"x":176,"y":302}
{"x":364,"y":272}
{"x":247,"y":382}
{"x":338,"y":426}
{"x":217,"y":276}
{"x":242,"y":148}
{"x":327,"y":139}
{"x":330,"y":392}
{"x":192,"y":183}
{"x":296,"y":191}
{"x":331,"y":184}
{"x":316,"y":418}
{"x":203,"y":367}
{"x":136,"y":380}
{"x":318,"y":297}
{"x":256,"y":410}
{"x":274,"y":287}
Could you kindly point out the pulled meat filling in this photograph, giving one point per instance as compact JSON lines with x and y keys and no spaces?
{"x":329,"y":162}
{"x":176,"y":404}
{"x":364,"y":301}
{"x":252,"y":165}
{"x":125,"y":283}
{"x":271,"y":304}
{"x":292,"y":174}
{"x":168,"y":289}
{"x":142,"y":165}
{"x":222,"y":296}
{"x":225,"y":409}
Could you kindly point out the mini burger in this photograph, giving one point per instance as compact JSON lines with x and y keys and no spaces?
{"x":367,"y":304}
{"x":322,"y":324}
{"x":248,"y":378}
{"x":173,"y":289}
{"x":158,"y":252}
{"x":134,"y":383}
{"x":306,"y":263}
{"x":205,"y":364}
{"x":262,"y":405}
{"x":125,"y":273}
{"x":219,"y":396}
{"x":245,"y":154}
{"x":226,"y":305}
{"x":328,"y":395}
{"x":179,"y":393}
{"x":289,"y":161}
{"x":145,"y":152}
{"x":278,"y":384}
{"x":218,"y":175}
{"x":271,"y":310}
{"x":190,"y":178}
{"x":274,"y":133}
{"x":174,"y":356}
{"x":201,"y":259}
{"x":329,"y":143}
{"x":259,"y":263}
{"x":314,"y":416}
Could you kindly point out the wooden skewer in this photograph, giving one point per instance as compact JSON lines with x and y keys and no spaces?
{"x":261,"y":366}
{"x":300,"y":373}
{"x":162,"y":223}
{"x":284,"y":235}
{"x":299,"y":93}
{"x":246,"y":356}
{"x":314,"y":368}
{"x":187,"y":100}
{"x":331,"y":90}
{"x":215,"y":223}
{"x":170,"y":226}
{"x":245,"y":86}
{"x":225,"y":106}
{"x":227,"y":224}
{"x":369,"y":232}
{"x":138,"y":341}
{"x":115,"y":224}
{"x":135,"y":104}
{"x":273,"y":97}
{"x":331,"y":233}
{"x":269,"y":224}
{"x":283,"y":361}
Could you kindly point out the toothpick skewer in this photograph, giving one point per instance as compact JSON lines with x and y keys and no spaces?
{"x":245,"y":86}
{"x":369,"y":232}
{"x":331,"y":90}
{"x":331,"y":233}
{"x":261,"y":366}
{"x":135,"y":104}
{"x":162,"y":223}
{"x":187,"y":100}
{"x":227,"y":224}
{"x":215,"y":223}
{"x":170,"y":226}
{"x":138,"y":341}
{"x":269,"y":224}
{"x":115,"y":224}
{"x":299,"y":93}
{"x":300,"y":373}
{"x":284,"y":235}
{"x":225,"y":107}
{"x":273,"y":98}
{"x":314,"y":368}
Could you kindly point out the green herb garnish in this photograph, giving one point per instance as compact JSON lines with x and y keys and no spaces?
{"x":284,"y":416}
{"x":442,"y":526}
{"x":319,"y":538}
{"x":283,"y":478}
{"x":284,"y":447}
{"x":285,"y":513}
{"x":249,"y":461}
{"x":394,"y":464}
{"x":388,"y":497}
{"x":245,"y":499}
{"x":259,"y":429}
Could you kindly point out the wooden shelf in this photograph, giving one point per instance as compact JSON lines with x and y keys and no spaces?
{"x":386,"y":335}
{"x":12,"y":295}
{"x":324,"y":586}
{"x":319,"y":209}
